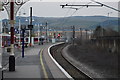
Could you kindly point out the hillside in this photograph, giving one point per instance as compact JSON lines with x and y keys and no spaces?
{"x":89,"y":22}
{"x":112,"y":24}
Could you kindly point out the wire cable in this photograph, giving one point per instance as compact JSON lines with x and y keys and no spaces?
{"x":63,"y":19}
{"x":74,"y":12}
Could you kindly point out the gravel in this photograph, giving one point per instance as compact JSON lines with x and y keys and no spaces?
{"x":104,"y":62}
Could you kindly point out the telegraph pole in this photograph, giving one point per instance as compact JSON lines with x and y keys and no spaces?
{"x":73,"y":27}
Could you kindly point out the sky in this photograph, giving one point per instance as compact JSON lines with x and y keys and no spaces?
{"x":72,"y":0}
{"x":52,"y":8}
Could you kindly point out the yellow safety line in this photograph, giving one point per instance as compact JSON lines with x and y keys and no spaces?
{"x":43,"y":67}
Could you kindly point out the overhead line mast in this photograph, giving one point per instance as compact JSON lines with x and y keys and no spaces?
{"x":106,"y":5}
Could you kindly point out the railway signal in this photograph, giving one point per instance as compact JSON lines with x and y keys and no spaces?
{"x":59,"y":35}
{"x":30,"y":26}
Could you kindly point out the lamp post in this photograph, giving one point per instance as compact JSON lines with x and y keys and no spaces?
{"x":12,"y":6}
{"x":38,"y":31}
{"x":23,"y":27}
{"x":41,"y":37}
{"x":46,"y":30}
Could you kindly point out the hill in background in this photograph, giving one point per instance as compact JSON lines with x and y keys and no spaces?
{"x":85,"y":22}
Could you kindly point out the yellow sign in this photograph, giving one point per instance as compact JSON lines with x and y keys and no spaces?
{"x":12,"y":21}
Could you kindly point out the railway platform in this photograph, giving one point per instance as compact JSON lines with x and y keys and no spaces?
{"x":36,"y":65}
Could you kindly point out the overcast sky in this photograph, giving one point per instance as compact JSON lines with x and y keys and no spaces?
{"x":51,"y":8}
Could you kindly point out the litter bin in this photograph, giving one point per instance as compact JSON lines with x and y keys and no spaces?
{"x":8,"y":49}
{"x":26,"y":45}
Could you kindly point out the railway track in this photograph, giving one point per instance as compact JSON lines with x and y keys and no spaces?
{"x":56,"y":52}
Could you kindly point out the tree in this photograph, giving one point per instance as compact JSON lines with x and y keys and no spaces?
{"x":99,"y":31}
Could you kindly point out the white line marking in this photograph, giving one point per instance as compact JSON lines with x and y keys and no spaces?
{"x":58,"y":65}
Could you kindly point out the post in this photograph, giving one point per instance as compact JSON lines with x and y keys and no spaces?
{"x":46,"y":33}
{"x":81,"y":33}
{"x":109,"y":18}
{"x":19,"y":28}
{"x":38,"y":33}
{"x":86,"y":34}
{"x":23,"y":31}
{"x":30,"y":24}
{"x":11,"y":57}
{"x":40,"y":30}
{"x":102,"y":38}
{"x":73,"y":34}
{"x":1,"y":42}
